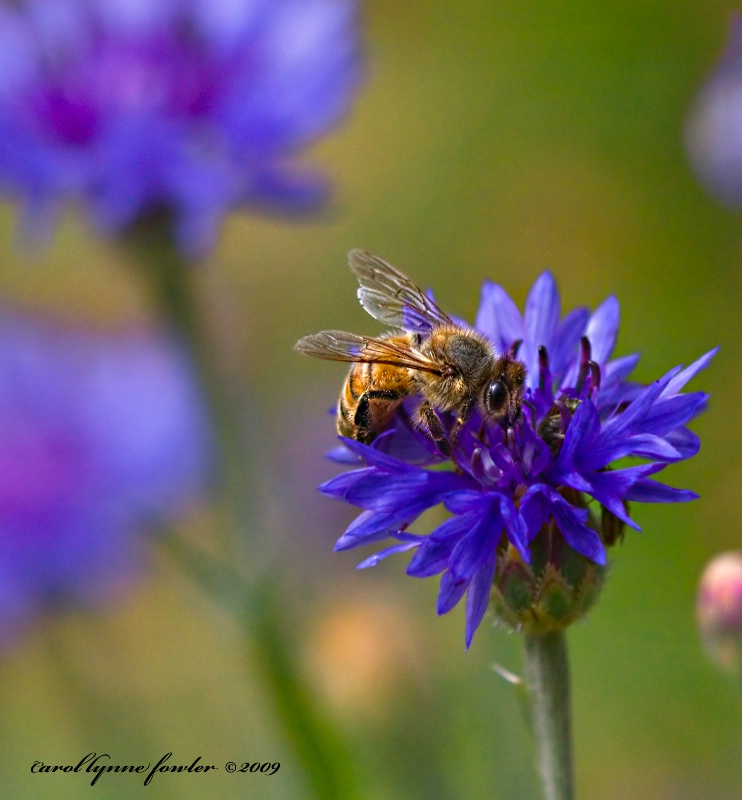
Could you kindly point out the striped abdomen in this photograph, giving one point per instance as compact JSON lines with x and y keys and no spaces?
{"x":370,"y":395}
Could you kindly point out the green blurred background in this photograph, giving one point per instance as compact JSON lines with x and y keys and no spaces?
{"x":491,"y":140}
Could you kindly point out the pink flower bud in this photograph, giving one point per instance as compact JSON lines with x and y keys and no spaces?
{"x":719,"y":610}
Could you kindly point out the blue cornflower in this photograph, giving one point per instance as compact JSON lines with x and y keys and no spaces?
{"x":531,"y":510}
{"x":191,"y":107}
{"x":99,"y":437}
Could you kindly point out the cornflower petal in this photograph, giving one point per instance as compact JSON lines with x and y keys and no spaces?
{"x":667,"y":415}
{"x":435,"y":551}
{"x":647,"y":490}
{"x":630,"y":419}
{"x":498,"y":316}
{"x":609,"y":488}
{"x":614,"y":389}
{"x":478,"y":595}
{"x":377,"y":458}
{"x":340,"y":485}
{"x":644,"y":445}
{"x":602,"y":330}
{"x":373,"y":526}
{"x":581,"y":435}
{"x":648,"y":445}
{"x":474,"y":546}
{"x":679,"y":381}
{"x":578,"y":536}
{"x":373,"y":560}
{"x":621,"y":368}
{"x":384,"y":492}
{"x":541,"y":321}
{"x":467,"y":500}
{"x":575,"y":480}
{"x":535,"y":508}
{"x":451,"y":591}
{"x":515,"y":526}
{"x":570,"y":331}
{"x":684,"y":441}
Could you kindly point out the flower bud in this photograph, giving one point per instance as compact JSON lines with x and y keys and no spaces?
{"x":557,"y":588}
{"x":719,"y":610}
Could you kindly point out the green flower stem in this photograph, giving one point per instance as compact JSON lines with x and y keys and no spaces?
{"x":547,"y":683}
{"x":316,"y":741}
{"x":172,"y":283}
{"x":321,"y":756}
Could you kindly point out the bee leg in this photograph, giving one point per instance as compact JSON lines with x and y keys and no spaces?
{"x":361,"y":428}
{"x":427,"y":420}
{"x":461,"y":420}
{"x":364,"y":420}
{"x":383,"y":394}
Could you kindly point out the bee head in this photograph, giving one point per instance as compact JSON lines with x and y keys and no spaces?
{"x":496,"y":397}
{"x":503,"y":394}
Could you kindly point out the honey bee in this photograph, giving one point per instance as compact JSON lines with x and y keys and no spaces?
{"x":451,"y":367}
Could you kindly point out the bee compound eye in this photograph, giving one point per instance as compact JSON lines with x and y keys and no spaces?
{"x":495,"y":397}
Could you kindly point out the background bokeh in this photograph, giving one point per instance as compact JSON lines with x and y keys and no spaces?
{"x":489,"y":141}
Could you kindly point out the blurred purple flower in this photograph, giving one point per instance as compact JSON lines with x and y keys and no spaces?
{"x":99,"y":437}
{"x":192,"y":107}
{"x":713,"y":132}
{"x":580,"y":415}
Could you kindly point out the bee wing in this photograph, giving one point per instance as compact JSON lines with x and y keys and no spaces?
{"x":391,"y":297}
{"x":343,"y":346}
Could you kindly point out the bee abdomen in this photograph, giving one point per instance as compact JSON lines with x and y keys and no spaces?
{"x":368,"y":416}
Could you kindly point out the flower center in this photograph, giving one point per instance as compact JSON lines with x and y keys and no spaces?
{"x":79,"y":93}
{"x":40,"y":471}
